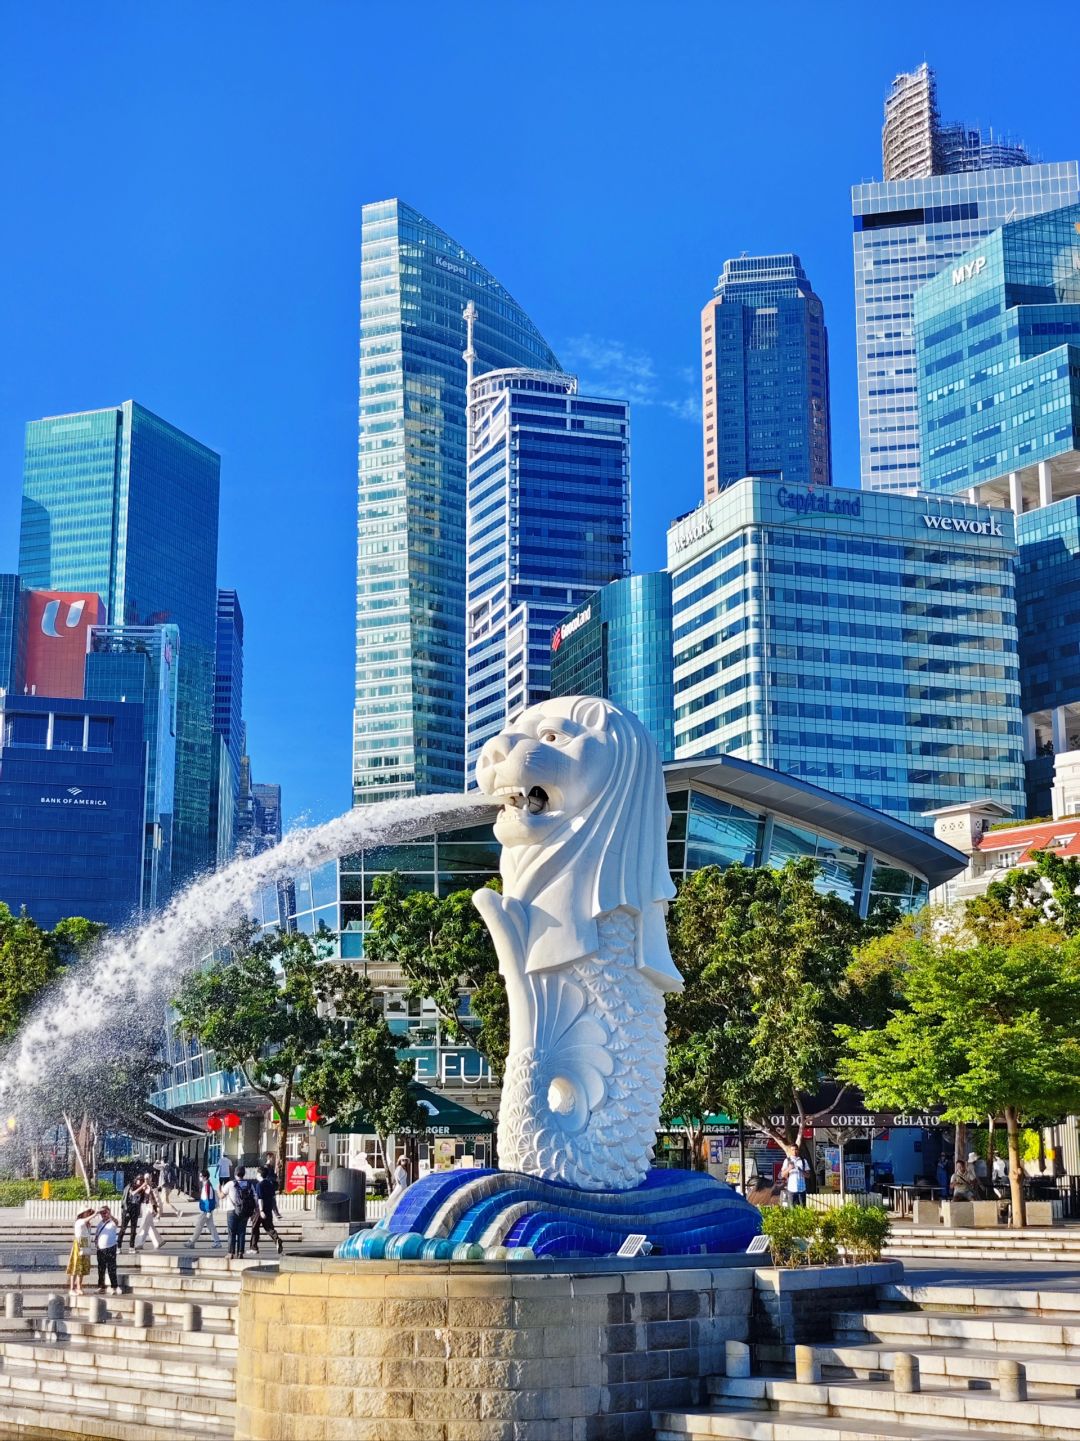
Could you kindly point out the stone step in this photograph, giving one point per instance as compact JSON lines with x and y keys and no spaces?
{"x":127,"y":1398}
{"x":82,"y":1356}
{"x":792,"y":1426}
{"x":1042,"y":1415}
{"x":976,"y":1298}
{"x":964,"y":1369}
{"x":999,"y":1331}
{"x":219,"y":1339}
{"x":33,"y":1418}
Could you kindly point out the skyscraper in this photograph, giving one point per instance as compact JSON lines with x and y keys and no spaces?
{"x":228,"y":721}
{"x":548,"y":523}
{"x":11,"y":631}
{"x":120,"y":503}
{"x":765,"y":375}
{"x":618,"y":645}
{"x":941,"y":193}
{"x":998,"y":340}
{"x":866,"y":643}
{"x":409,"y":721}
{"x":139,"y":665}
{"x":915,"y":144}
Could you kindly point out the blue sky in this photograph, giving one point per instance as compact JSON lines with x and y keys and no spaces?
{"x":183,"y":187}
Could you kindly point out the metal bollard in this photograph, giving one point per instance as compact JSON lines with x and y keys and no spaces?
{"x":95,"y":1310}
{"x":13,"y":1305}
{"x":736,"y":1358}
{"x":906,"y":1373}
{"x":192,"y":1317}
{"x":54,"y":1308}
{"x":1012,"y":1381}
{"x":807,"y":1365}
{"x":142,"y":1314}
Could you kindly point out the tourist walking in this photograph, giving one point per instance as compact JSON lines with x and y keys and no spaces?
{"x":168,"y":1186}
{"x":268,"y":1209}
{"x":130,"y":1206}
{"x":107,"y":1240}
{"x":207,"y":1206}
{"x":149,"y":1210}
{"x":793,"y":1175}
{"x":78,"y":1266}
{"x":239,"y":1202}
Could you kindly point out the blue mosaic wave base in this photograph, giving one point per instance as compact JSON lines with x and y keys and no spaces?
{"x":503,"y":1215}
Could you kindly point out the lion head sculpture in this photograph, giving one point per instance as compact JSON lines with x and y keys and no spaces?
{"x":583,"y":827}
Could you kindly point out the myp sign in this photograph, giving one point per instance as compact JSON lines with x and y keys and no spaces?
{"x":969,"y":270}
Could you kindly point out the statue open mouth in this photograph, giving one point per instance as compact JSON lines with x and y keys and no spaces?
{"x":534,"y":801}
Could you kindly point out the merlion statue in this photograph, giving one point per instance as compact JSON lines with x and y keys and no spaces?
{"x":580,"y":936}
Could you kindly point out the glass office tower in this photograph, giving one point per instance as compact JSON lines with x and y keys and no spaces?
{"x":11,"y":631}
{"x":140,"y":664}
{"x":865,"y":643}
{"x":228,"y":721}
{"x":765,"y":375}
{"x":548,"y":522}
{"x":123,"y":504}
{"x":945,"y":186}
{"x":998,"y":337}
{"x":618,"y":645}
{"x":409,"y":722}
{"x":72,"y":777}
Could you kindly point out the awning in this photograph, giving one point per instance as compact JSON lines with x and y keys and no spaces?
{"x":447,"y":1118}
{"x":149,"y":1123}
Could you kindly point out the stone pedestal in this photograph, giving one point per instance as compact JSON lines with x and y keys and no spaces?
{"x":958,"y":1213}
{"x":370,"y":1351}
{"x":927,"y":1213}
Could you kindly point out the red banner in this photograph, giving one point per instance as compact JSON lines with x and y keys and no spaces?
{"x":56,"y":627}
{"x":299,"y":1175}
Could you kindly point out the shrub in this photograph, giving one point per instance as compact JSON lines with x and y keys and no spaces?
{"x":791,"y":1231}
{"x":861,"y":1230}
{"x":14,"y":1193}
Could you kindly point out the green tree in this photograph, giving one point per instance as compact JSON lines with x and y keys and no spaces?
{"x":1044,"y":893}
{"x":292,"y":1023}
{"x":445,"y":952}
{"x":764,"y":956}
{"x":980,"y":1028}
{"x":29,"y":962}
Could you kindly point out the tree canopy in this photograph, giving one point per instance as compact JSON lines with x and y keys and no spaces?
{"x":1044,"y":893}
{"x":764,"y":955}
{"x":292,"y":1023}
{"x":979,"y":1027}
{"x":445,"y":952}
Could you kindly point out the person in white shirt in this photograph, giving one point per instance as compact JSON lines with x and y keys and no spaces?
{"x":401,"y":1175}
{"x":107,"y":1238}
{"x":224,"y":1169}
{"x":148,"y":1213}
{"x":793,"y":1175}
{"x":207,"y":1205}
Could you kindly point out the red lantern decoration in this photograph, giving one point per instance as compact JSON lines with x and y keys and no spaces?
{"x":213,"y":1123}
{"x":232,"y":1120}
{"x":314,"y":1115}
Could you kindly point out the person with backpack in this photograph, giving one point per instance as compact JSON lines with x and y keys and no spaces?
{"x":268,"y":1209}
{"x":240,"y":1204}
{"x":207,"y":1206}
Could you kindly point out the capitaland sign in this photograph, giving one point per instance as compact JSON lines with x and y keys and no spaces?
{"x":691,"y":529}
{"x":968,"y":270}
{"x":820,"y":502}
{"x":568,"y":627}
{"x":962,"y":525}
